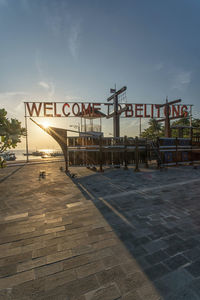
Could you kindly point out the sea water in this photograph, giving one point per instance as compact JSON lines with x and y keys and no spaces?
{"x":20,"y":154}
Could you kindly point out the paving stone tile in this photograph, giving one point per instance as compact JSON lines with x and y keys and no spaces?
{"x":141,"y":241}
{"x":28,"y":289}
{"x":58,"y":256}
{"x":138,"y":251}
{"x":110,"y":261}
{"x":149,"y":291}
{"x":87,"y":258}
{"x":175,"y":249}
{"x":5,"y":246}
{"x":155,"y":245}
{"x":10,"y":252}
{"x":48,"y":269}
{"x":8,"y":270}
{"x":76,"y":261}
{"x":16,"y":279}
{"x":184,"y":294}
{"x":54,"y":229}
{"x":31,"y":240}
{"x":50,"y":221}
{"x":59,"y":279}
{"x":131,"y":282}
{"x":56,"y":296}
{"x":173,"y":281}
{"x":191,"y":243}
{"x":105,"y":243}
{"x":15,"y":259}
{"x":30,"y":264}
{"x":156,"y":257}
{"x":133,"y":295}
{"x":91,"y":268}
{"x":76,"y":288}
{"x":110,"y":275}
{"x":97,"y":231}
{"x":15,"y":217}
{"x":32,"y":246}
{"x":14,"y":230}
{"x":143,"y":263}
{"x":194,"y":268}
{"x":130,"y":266}
{"x":156,"y":271}
{"x":62,"y":246}
{"x":177,"y":261}
{"x":173,"y":240}
{"x":194,"y":285}
{"x":81,"y":249}
{"x":110,"y":292}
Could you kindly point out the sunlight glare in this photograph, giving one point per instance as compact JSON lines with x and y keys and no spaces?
{"x":45,"y":124}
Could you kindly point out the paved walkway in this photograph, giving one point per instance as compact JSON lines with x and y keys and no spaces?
{"x":116,"y":235}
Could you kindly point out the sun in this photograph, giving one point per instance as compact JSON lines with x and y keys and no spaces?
{"x":45,"y":124}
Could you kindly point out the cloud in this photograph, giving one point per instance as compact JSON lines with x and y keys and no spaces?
{"x":57,"y":17}
{"x":71,"y":98}
{"x":64,"y":25}
{"x":44,"y":82}
{"x":181,"y":80}
{"x":13,"y":103}
{"x":49,"y":87}
{"x":8,"y":94}
{"x":44,"y":85}
{"x":74,"y":39}
{"x":38,"y":63}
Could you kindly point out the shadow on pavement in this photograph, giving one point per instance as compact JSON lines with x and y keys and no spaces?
{"x":158,"y":223}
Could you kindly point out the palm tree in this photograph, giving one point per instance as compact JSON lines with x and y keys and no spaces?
{"x":154,"y":130}
{"x":155,"y":126}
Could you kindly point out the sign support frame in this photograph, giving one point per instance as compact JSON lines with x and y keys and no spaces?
{"x":26,"y":127}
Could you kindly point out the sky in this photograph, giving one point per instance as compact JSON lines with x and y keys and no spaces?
{"x":60,"y":50}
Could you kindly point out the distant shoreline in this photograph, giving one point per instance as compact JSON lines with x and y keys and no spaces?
{"x":34,"y":161}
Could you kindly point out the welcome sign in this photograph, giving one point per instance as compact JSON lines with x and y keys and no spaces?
{"x":88,"y":109}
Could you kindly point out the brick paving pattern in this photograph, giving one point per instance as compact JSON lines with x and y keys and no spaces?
{"x":112,"y":235}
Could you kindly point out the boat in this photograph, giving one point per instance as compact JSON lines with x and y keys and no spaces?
{"x":37,"y":153}
{"x":45,"y":155}
{"x":9,"y":156}
{"x":54,"y":154}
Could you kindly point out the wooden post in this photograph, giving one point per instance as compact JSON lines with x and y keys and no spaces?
{"x":176,"y":151}
{"x":192,"y":159}
{"x":66,"y":158}
{"x":146,"y":154}
{"x":125,"y":153}
{"x":26,"y":127}
{"x":191,"y":129}
{"x":100,"y":154}
{"x":74,"y":150}
{"x":86,"y":154}
{"x":159,"y":156}
{"x":83,"y":154}
{"x":112,"y":154}
{"x":167,"y":120}
{"x":136,"y":155}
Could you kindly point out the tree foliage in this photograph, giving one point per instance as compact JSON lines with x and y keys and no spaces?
{"x":154,"y":130}
{"x":185,"y":121}
{"x":10,"y":132}
{"x":186,"y":131}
